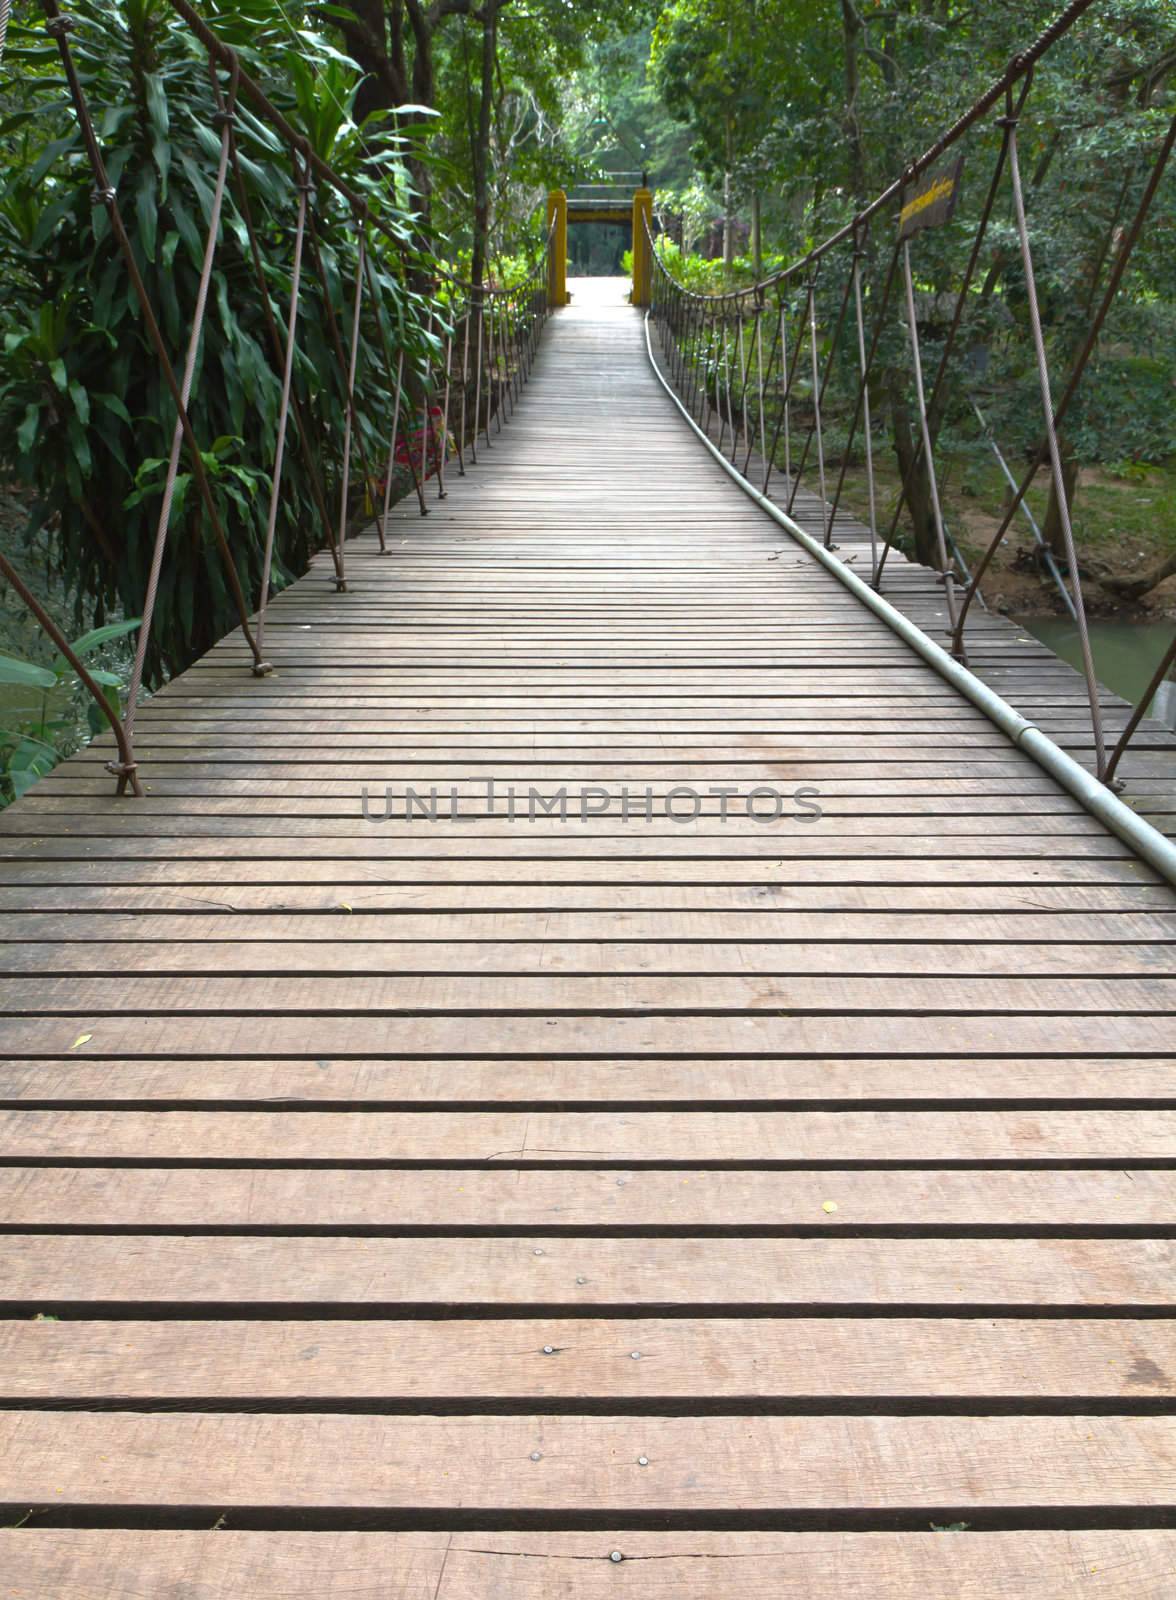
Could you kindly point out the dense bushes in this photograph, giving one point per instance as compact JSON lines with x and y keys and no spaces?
{"x":85,"y":416}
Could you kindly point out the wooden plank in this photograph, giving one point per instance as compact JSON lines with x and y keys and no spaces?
{"x":73,"y":1564}
{"x":750,"y":1034}
{"x":601,"y":1465}
{"x":570,"y":1138}
{"x":544,"y":872}
{"x":531,"y":1361}
{"x":202,"y":918}
{"x":507,"y":844}
{"x":395,"y":1200}
{"x":694,"y":1083}
{"x":238,"y":1017}
{"x":46,"y":1270}
{"x":848,"y":819}
{"x":967,"y":963}
{"x":253,"y":899}
{"x":222,"y":799}
{"x":607,"y":993}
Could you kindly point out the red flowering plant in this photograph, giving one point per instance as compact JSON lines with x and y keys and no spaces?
{"x":422,"y":449}
{"x":426,"y":444}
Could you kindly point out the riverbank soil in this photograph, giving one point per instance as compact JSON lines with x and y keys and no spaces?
{"x":1124,"y":528}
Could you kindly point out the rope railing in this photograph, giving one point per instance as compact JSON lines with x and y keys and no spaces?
{"x":479,"y":343}
{"x":756,"y":367}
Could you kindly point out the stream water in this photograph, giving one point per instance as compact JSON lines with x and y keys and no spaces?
{"x":1125,"y":655}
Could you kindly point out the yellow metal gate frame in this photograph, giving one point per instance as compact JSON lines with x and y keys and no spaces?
{"x":558,"y":217}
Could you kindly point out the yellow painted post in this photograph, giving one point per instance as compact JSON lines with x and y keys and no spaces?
{"x":557,"y":266}
{"x":642,"y":266}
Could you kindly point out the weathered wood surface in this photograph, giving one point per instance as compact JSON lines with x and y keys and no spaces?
{"x":1000,"y":651}
{"x":507,"y":1195}
{"x":858,"y":1131}
{"x":589,"y":1138}
{"x":1104,"y":1565}
{"x":572,"y":1464}
{"x":565,"y":1361}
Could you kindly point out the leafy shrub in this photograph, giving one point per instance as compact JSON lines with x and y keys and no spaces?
{"x":85,"y":415}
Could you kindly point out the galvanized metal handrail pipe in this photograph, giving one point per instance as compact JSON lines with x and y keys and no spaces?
{"x":1094,"y":796}
{"x":700,"y":330}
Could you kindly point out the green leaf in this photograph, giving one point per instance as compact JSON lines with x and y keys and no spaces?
{"x":147,"y":211}
{"x":58,"y":373}
{"x":31,"y":756}
{"x":49,"y":219}
{"x":27,"y":432}
{"x":27,"y":763}
{"x":187,"y":230}
{"x":25,"y":737}
{"x":97,"y":636}
{"x":81,"y":401}
{"x":157,"y":103}
{"x":113,"y":118}
{"x":13,"y":123}
{"x":48,"y":157}
{"x":79,"y":444}
{"x":26,"y":673}
{"x":113,"y":403}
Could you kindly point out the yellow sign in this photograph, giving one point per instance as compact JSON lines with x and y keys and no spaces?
{"x":931,"y":201}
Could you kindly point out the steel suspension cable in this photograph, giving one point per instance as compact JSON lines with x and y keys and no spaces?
{"x":283,"y":413}
{"x":1118,"y":269}
{"x":961,"y":302}
{"x":310,"y":459}
{"x":1061,"y":496}
{"x":173,"y":465}
{"x":703,"y":358}
{"x":516,"y":329}
{"x":1163,"y":670}
{"x":59,"y":28}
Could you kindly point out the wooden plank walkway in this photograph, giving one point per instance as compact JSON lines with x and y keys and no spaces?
{"x":579,"y":1208}
{"x":1021,"y":669}
{"x":1001,"y":653}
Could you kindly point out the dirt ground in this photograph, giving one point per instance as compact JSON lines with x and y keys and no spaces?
{"x":1123,"y":528}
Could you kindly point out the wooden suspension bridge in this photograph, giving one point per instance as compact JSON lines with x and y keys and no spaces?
{"x":683,"y":1205}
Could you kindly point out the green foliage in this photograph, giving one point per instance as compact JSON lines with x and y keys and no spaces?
{"x":615,"y":119}
{"x":705,"y":275}
{"x":86,"y":418}
{"x":717,"y":73}
{"x":544,"y":52}
{"x":47,"y":729}
{"x":692,"y":207}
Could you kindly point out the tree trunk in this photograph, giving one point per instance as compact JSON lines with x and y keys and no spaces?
{"x":851,"y":27}
{"x":422,"y":94}
{"x":728,"y":220}
{"x":375,"y":38}
{"x":379,"y":49}
{"x":757,"y":241}
{"x":481,"y":150}
{"x":918,"y":487}
{"x":1136,"y":588}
